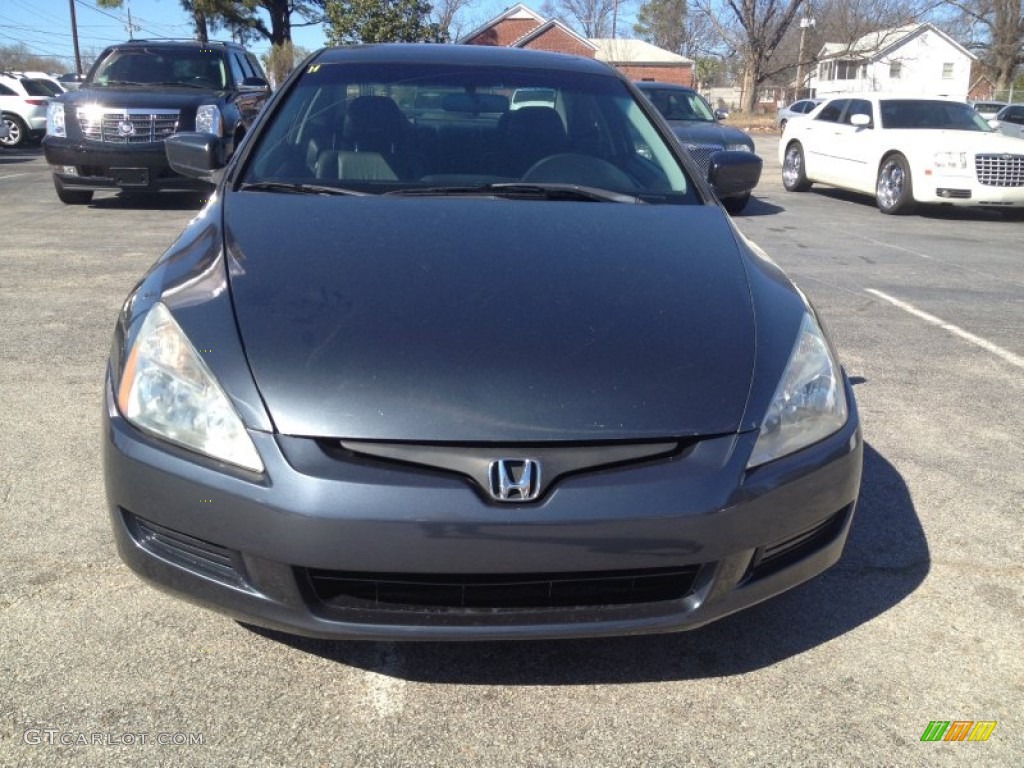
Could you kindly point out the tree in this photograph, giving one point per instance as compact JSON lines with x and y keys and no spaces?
{"x":380,"y":21}
{"x":662,"y":23}
{"x":996,"y":31}
{"x":280,"y":60}
{"x":444,"y":15}
{"x":592,"y":18}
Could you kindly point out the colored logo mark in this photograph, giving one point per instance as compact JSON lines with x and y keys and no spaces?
{"x":958,"y":730}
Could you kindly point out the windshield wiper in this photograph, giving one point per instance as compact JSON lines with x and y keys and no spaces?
{"x":298,"y":189}
{"x":527,"y":191}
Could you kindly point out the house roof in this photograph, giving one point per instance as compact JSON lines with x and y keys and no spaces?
{"x":616,"y":50}
{"x":878,"y":43}
{"x":518,"y":12}
{"x":547,"y":26}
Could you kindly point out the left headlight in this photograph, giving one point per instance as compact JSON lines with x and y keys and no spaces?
{"x":738,"y":147}
{"x":166,"y":389}
{"x":55,"y":119}
{"x":809,"y":403}
{"x":208,"y":120}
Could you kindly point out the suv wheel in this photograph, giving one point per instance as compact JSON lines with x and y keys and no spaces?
{"x":17,"y":131}
{"x":72,"y":196}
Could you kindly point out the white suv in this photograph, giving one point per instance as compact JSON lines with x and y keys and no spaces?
{"x":23,"y":102}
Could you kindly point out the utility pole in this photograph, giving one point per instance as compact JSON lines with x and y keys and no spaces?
{"x":74,"y":37}
{"x":805,"y":22}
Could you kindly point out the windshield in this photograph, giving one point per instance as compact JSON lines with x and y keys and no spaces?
{"x":926,"y":114}
{"x":456,"y":129}
{"x":680,"y":105}
{"x":151,"y":65}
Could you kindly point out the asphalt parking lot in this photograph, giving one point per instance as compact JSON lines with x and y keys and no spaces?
{"x":920,"y":621}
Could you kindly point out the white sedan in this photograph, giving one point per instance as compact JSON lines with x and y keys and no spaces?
{"x":904,"y":150}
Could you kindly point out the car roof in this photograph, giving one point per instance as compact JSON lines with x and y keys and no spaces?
{"x":648,"y":85}
{"x":467,"y":55}
{"x":169,"y":43}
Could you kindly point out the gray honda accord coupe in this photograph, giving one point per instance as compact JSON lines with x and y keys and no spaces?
{"x":431,"y":365}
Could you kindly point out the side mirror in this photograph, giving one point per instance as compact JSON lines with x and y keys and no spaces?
{"x":732,"y":172}
{"x":721,"y":114}
{"x":196,"y":155}
{"x":860,"y":121}
{"x":255,"y":84}
{"x":993,"y":123}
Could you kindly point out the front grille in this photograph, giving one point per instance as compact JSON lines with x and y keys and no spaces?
{"x":127,"y":126}
{"x":411,"y":592}
{"x":701,"y":153}
{"x":1000,"y":170}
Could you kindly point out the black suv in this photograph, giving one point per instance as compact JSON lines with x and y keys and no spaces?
{"x":110,"y":133}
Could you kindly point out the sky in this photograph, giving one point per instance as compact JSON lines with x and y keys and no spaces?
{"x":44,"y":26}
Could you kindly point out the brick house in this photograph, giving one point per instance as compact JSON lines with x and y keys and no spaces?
{"x":521,"y":27}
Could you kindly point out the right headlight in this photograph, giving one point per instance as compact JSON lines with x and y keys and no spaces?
{"x":809,"y":403}
{"x":55,"y":119}
{"x":166,"y":389}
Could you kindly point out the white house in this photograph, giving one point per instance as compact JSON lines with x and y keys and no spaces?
{"x":913,"y":59}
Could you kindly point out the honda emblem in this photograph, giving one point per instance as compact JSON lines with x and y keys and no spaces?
{"x":515,"y":479}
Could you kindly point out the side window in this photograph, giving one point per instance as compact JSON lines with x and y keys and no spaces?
{"x":858,"y":107}
{"x":832,"y":111}
{"x":5,"y":91}
{"x":238,"y":73}
{"x":1016,"y":116}
{"x":254,"y":65}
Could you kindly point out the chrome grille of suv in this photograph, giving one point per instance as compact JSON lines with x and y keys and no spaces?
{"x":127,"y":126}
{"x":1000,"y":170}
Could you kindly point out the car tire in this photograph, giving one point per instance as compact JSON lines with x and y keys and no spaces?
{"x":894,"y":191}
{"x":72,"y":196}
{"x":17,"y":131}
{"x":735,"y":205}
{"x":794,"y":176}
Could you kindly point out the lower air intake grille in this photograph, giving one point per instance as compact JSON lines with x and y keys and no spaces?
{"x":187,"y":551}
{"x":398,"y":591}
{"x":782,"y":553}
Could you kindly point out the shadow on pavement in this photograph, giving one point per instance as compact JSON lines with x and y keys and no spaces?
{"x":930,"y":211}
{"x":151,"y":201}
{"x":885,"y":560}
{"x":759,"y":207}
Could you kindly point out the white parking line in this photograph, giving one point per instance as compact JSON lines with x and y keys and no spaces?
{"x":13,"y":176}
{"x":985,"y":344}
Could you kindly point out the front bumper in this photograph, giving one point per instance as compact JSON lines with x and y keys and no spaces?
{"x":90,"y":165}
{"x":331,"y":546}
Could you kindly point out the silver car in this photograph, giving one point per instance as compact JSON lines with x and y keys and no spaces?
{"x":23,"y":102}
{"x":1010,"y":120}
{"x":796,"y":109}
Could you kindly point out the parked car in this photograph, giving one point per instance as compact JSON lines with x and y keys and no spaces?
{"x":1009,"y":120}
{"x":904,"y":150}
{"x":797,"y":109}
{"x":695,"y":125}
{"x":23,"y":103}
{"x":109,"y":134}
{"x":499,"y":376}
{"x":71,"y":81}
{"x":987,"y":109}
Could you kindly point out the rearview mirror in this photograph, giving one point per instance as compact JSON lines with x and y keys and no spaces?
{"x":733,"y":173}
{"x":196,"y":155}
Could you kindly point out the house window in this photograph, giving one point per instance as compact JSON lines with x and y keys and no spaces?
{"x":847,"y":70}
{"x":825,"y":70}
{"x":947,"y":71}
{"x":895,"y":70}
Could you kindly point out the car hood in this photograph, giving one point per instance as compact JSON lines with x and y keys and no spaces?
{"x":166,"y":97}
{"x":708,"y":133}
{"x":923,"y":141}
{"x":483,"y":320}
